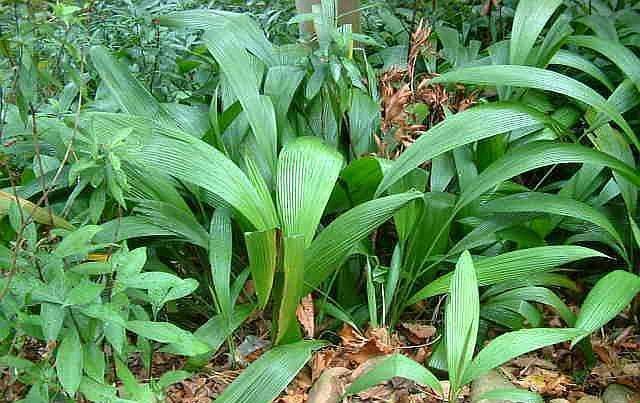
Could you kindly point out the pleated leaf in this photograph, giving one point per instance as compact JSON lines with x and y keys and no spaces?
{"x":463,"y":128}
{"x":396,"y":365}
{"x":551,"y":204}
{"x":541,"y":79}
{"x":266,"y":377}
{"x":293,"y":268}
{"x":220,"y":251}
{"x":620,"y":55}
{"x":537,"y":155}
{"x":180,"y":223}
{"x":262,"y":249}
{"x":244,"y":28}
{"x":528,"y":22}
{"x":233,"y":60}
{"x":120,"y":229}
{"x":510,"y":345}
{"x":540,"y":295}
{"x":575,"y":61}
{"x":307,"y":172}
{"x":132,"y":96}
{"x":331,"y":247}
{"x":513,"y":265}
{"x":462,"y":316}
{"x":191,"y":160}
{"x":606,"y":299}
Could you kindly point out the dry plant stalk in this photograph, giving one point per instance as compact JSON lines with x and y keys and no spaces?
{"x":401,"y":88}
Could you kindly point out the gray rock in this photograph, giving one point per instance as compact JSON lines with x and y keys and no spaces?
{"x":590,"y":399}
{"x":620,"y":394}
{"x":491,"y":381}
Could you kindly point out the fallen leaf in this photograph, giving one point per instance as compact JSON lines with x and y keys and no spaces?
{"x":419,"y":331}
{"x":306,"y":316}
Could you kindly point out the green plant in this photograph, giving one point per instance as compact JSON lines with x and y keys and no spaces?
{"x":79,"y":307}
{"x":462,"y":316}
{"x":247,"y":169}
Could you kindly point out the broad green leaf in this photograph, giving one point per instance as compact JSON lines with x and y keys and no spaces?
{"x":92,"y":268}
{"x":99,"y":392}
{"x":511,"y":395}
{"x":132,"y":97}
{"x":181,"y":223}
{"x":396,"y":365}
{"x":246,"y":31}
{"x":551,"y":204}
{"x":364,"y":116}
{"x":214,"y":331}
{"x":220,"y":251}
{"x":293,"y":268}
{"x":537,"y":155}
{"x":94,"y":363}
{"x":602,"y":25}
{"x":513,"y":265}
{"x":539,"y":295}
{"x":624,"y":98}
{"x":266,"y":377}
{"x":462,"y":316}
{"x":77,"y":242}
{"x":164,"y":332}
{"x":620,"y":55}
{"x":332,"y":246}
{"x":84,"y":293}
{"x":462,"y":128}
{"x":233,"y":60}
{"x":52,"y":317}
{"x":192,"y":160}
{"x":541,"y":79}
{"x":69,"y":362}
{"x":575,"y":61}
{"x":262,"y":249}
{"x":513,"y":344}
{"x":307,"y":172}
{"x":129,"y":227}
{"x":531,"y":280}
{"x":132,"y":388}
{"x":529,"y":20}
{"x":607,"y":298}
